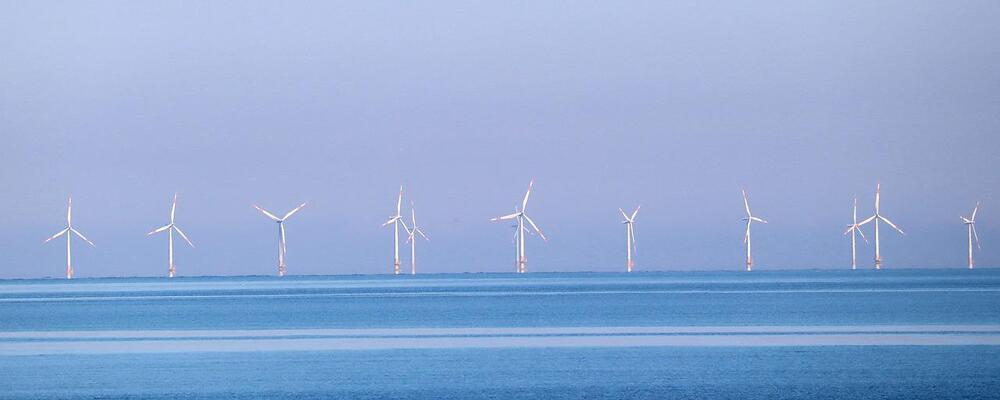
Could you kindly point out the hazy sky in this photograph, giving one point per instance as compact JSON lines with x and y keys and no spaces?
{"x":671,"y":105}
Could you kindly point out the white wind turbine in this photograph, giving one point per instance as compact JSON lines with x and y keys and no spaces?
{"x":170,"y":228}
{"x":395,"y":220}
{"x":282,"y":248}
{"x":971,"y":223}
{"x":855,"y":229}
{"x":521,"y":217}
{"x":69,"y":229}
{"x":629,"y":237}
{"x":746,"y":237}
{"x":412,"y":240}
{"x":878,"y":216}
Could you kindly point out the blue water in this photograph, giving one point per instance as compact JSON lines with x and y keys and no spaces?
{"x":794,"y":334}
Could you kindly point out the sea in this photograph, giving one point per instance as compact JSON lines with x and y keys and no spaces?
{"x":797,"y":334}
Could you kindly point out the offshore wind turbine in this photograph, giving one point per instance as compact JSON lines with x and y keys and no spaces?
{"x":629,"y":237}
{"x":69,"y":231}
{"x":170,"y":228}
{"x":750,"y":218}
{"x":395,"y":220}
{"x":971,"y":223}
{"x":521,"y":217}
{"x":282,"y":248}
{"x":878,"y":216}
{"x":412,"y":240}
{"x":855,"y":229}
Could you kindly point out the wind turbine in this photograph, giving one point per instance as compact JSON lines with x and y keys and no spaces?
{"x":629,"y":237}
{"x":971,"y":223}
{"x":855,"y":230}
{"x":282,"y":248}
{"x":411,"y":239}
{"x":170,"y":228}
{"x":67,"y":231}
{"x":395,"y":220}
{"x":878,"y":216}
{"x":521,"y":217}
{"x":749,"y":219}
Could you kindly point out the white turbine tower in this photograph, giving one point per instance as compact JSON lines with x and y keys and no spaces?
{"x":629,"y":237}
{"x":69,"y":229}
{"x":282,"y":248}
{"x":395,"y":220}
{"x":746,"y":237}
{"x":877,"y":217}
{"x":855,"y":229}
{"x":521,"y":217}
{"x":170,"y":228}
{"x":971,"y":223}
{"x":412,"y":240}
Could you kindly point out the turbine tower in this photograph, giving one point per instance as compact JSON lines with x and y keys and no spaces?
{"x":521,"y":216}
{"x":878,"y":216}
{"x":170,"y":228}
{"x":282,"y":248}
{"x":411,"y":239}
{"x":971,"y":223}
{"x":855,"y":230}
{"x":746,"y":237}
{"x":69,"y":229}
{"x":629,"y":237}
{"x":395,"y":220}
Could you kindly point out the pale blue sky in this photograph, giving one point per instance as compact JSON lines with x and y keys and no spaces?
{"x":671,"y":105}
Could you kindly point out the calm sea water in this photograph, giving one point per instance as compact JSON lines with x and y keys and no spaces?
{"x":801,"y":334}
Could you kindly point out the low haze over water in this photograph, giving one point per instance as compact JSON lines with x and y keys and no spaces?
{"x":860,"y":334}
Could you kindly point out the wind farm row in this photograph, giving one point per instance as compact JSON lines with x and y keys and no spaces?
{"x":524,"y":226}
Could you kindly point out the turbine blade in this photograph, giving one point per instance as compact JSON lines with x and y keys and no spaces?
{"x":62,"y":232}
{"x":976,"y":235}
{"x":535,"y":227}
{"x":862,"y":233}
{"x":160,"y":229}
{"x":524,"y":203}
{"x":81,"y":236}
{"x":746,"y":203}
{"x":886,"y":220}
{"x":179,"y":231}
{"x":173,"y":208}
{"x":404,"y":224}
{"x":269,"y":215}
{"x":421,"y":232}
{"x":293,"y":211}
{"x":391,"y":220}
{"x":399,"y":201}
{"x":747,"y":234}
{"x":855,"y":210}
{"x":867,"y":220}
{"x":759,"y":219}
{"x":505,"y":217}
{"x":632,"y":218}
{"x":878,"y":191}
{"x":623,"y":213}
{"x":850,"y":228}
{"x":974,"y":211}
{"x":69,"y":212}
